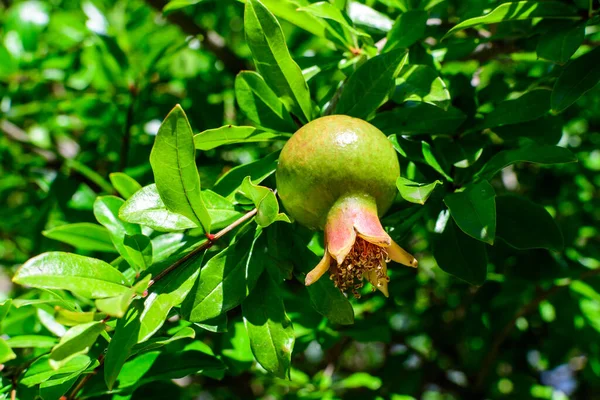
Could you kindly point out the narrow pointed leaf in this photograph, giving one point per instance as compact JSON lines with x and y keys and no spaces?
{"x":83,"y":235}
{"x":77,"y":340}
{"x":260,"y":104}
{"x":419,"y":119}
{"x":407,"y":30}
{"x":125,"y":337}
{"x":226,"y":279}
{"x":529,"y":106}
{"x":40,"y":371}
{"x":415,"y":192}
{"x":537,"y":154}
{"x":173,"y":161}
{"x":146,"y":207}
{"x":370,"y":85}
{"x":6,"y":353}
{"x":578,"y":77}
{"x":230,"y":134}
{"x":269,"y":329}
{"x":89,"y":277}
{"x":273,"y":61}
{"x":265,"y":201}
{"x":460,"y":255}
{"x":519,"y":10}
{"x":474,"y":211}
{"x":106,"y":211}
{"x":124,"y":184}
{"x":560,"y":43}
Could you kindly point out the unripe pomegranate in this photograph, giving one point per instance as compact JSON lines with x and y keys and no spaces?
{"x":338,"y":174}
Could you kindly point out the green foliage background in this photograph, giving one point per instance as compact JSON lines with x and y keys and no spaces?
{"x":492,"y":107}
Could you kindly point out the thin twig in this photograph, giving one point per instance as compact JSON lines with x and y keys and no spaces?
{"x":86,"y":378}
{"x":211,"y":241}
{"x":212,"y":41}
{"x":17,"y":134}
{"x":488,"y":362}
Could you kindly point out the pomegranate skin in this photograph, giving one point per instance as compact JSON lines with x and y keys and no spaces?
{"x":331,"y":158}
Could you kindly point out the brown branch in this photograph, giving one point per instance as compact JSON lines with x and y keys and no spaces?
{"x":85,"y":379}
{"x":204,"y":246}
{"x":17,"y":134}
{"x":490,"y":359}
{"x":212,"y":41}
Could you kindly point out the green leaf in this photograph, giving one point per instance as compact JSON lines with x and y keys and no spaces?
{"x":461,"y":255}
{"x":288,"y":10}
{"x":72,"y":318}
{"x":526,"y":225}
{"x":118,"y":305}
{"x":158,"y":342}
{"x":139,"y":249}
{"x":222,"y":212}
{"x":369,"y":18}
{"x":407,"y":30}
{"x":40,"y":371}
{"x":527,"y":107}
{"x":55,"y":388}
{"x":265,"y":201}
{"x":474,"y":210}
{"x":173,"y":161}
{"x":419,"y":119}
{"x":217,"y":324}
{"x":156,"y":365}
{"x":370,"y":85}
{"x":31,"y":341}
{"x":168,"y":292}
{"x":125,"y":337}
{"x":269,"y":329}
{"x":421,"y":83}
{"x":561,"y":42}
{"x":6,"y":354}
{"x":361,"y":380}
{"x":538,"y":154}
{"x":5,"y":307}
{"x":124,"y":184}
{"x":83,"y":235}
{"x":258,"y":170}
{"x":414,"y":192}
{"x":273,"y":61}
{"x":88,"y":277}
{"x":77,"y":340}
{"x":547,"y":130}
{"x":260,"y":104}
{"x":579,"y":76}
{"x":230,"y":134}
{"x":339,"y":27}
{"x":106,"y":211}
{"x":519,"y":10}
{"x":433,"y":161}
{"x":175,"y":5}
{"x":226,"y":279}
{"x":146,"y":207}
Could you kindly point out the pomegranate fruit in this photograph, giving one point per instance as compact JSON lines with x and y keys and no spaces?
{"x":338,"y":174}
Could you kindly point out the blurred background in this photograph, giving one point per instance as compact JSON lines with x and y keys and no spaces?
{"x":84,"y":86}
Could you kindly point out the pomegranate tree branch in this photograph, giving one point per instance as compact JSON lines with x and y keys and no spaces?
{"x":205,"y":245}
{"x":212,"y":41}
{"x":211,"y":240}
